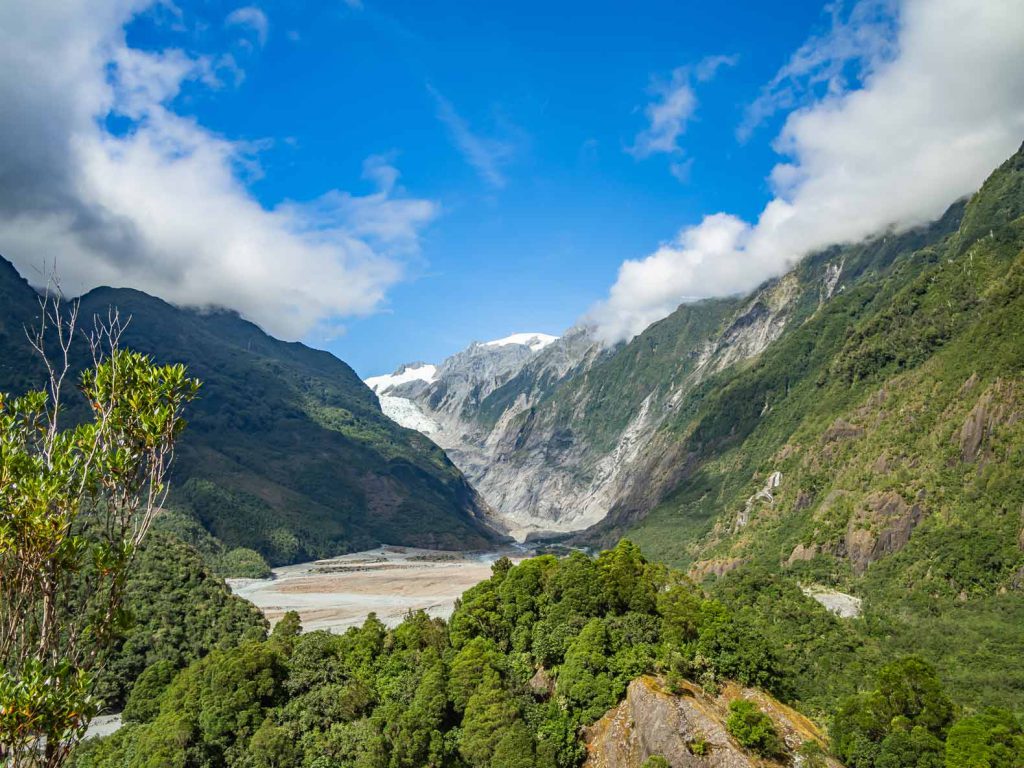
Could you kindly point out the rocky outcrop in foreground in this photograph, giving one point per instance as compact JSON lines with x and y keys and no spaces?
{"x":689,"y":729}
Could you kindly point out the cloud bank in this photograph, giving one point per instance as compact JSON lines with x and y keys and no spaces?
{"x":162,"y":205}
{"x":934,"y":114}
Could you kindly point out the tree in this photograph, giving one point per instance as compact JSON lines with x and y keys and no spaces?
{"x":680,"y":609}
{"x":75,"y":504}
{"x":272,"y":747}
{"x":490,"y":713}
{"x":902,"y":722}
{"x":992,"y":739}
{"x":144,"y":701}
{"x":627,"y":583}
{"x":584,"y":680}
{"x":753,"y":728}
{"x":477,"y":664}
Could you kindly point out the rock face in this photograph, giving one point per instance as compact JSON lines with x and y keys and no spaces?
{"x":988,"y":413}
{"x":686,"y":729}
{"x":556,"y":433}
{"x":478,"y":405}
{"x":882,"y":527}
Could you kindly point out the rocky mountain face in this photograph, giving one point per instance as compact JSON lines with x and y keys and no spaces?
{"x":557,"y":439}
{"x":472,"y":405}
{"x":287,"y":452}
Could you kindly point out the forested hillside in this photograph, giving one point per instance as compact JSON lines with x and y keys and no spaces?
{"x":530,"y":672}
{"x":287,"y":452}
{"x":893,"y":413}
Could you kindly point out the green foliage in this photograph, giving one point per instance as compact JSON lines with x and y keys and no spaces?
{"x":430,"y":694}
{"x":144,"y":701}
{"x":176,"y":611}
{"x":991,"y":739}
{"x":477,"y":665}
{"x":753,"y":728}
{"x":657,"y":761}
{"x":900,"y":722}
{"x":450,"y":696}
{"x":77,"y":502}
{"x":585,"y":679}
{"x":243,"y":563}
{"x":699,"y":745}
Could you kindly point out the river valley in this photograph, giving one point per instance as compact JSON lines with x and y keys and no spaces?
{"x":339,"y":592}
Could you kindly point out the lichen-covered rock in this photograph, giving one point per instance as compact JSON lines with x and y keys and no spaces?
{"x":688,"y":729}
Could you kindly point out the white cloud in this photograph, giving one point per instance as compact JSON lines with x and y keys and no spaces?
{"x":854,"y":46}
{"x":163,"y":206}
{"x":670,"y":110}
{"x":485,"y":155}
{"x":667,"y":115}
{"x":926,"y":127}
{"x":252,"y":18}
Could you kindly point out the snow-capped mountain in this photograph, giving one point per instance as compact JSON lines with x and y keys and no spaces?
{"x":436,"y":399}
{"x":401,"y":409}
{"x":405,"y":373}
{"x":535,"y":341}
{"x":467,"y":402}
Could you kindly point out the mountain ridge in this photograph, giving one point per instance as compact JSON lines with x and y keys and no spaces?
{"x":287,"y":452}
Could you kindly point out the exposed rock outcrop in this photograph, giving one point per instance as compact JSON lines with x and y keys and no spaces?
{"x":802,"y":553}
{"x":718,"y":567}
{"x":686,"y":729}
{"x":989,"y":412}
{"x":882,"y":527}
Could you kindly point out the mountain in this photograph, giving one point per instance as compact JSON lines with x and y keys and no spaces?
{"x":854,"y":428}
{"x":287,"y":452}
{"x":575,"y":435}
{"x":467,"y":403}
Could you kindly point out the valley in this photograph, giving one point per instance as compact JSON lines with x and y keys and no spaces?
{"x":496,"y":385}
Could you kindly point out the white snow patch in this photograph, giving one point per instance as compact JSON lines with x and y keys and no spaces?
{"x":406,"y":413}
{"x":405,"y":374}
{"x":535,"y":341}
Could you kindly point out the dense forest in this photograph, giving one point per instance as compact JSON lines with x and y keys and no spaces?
{"x":530,"y":658}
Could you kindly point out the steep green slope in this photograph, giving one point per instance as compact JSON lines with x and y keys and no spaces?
{"x":895,"y":415}
{"x":287,"y":452}
{"x":580,"y":431}
{"x":178,"y":612}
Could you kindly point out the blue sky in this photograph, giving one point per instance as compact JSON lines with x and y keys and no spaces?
{"x":392,"y":180}
{"x":559,"y":86}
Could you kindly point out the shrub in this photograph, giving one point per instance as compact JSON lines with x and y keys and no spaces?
{"x":752,"y":728}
